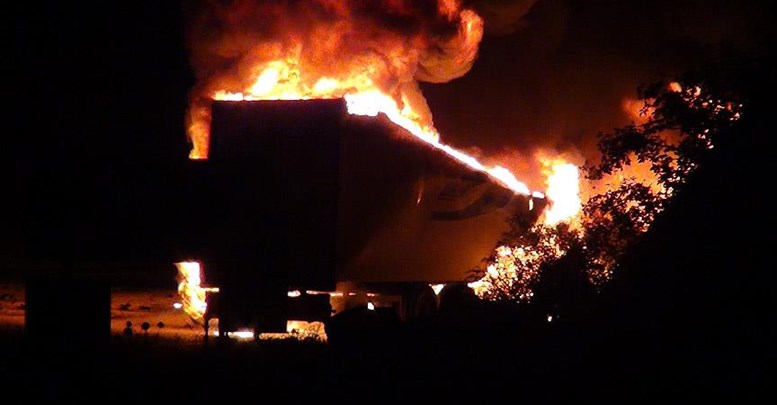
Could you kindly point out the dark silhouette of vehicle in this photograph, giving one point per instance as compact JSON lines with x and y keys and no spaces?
{"x":303,"y":211}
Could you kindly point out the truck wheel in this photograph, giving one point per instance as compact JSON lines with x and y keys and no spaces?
{"x":457,"y":300}
{"x":420,"y":303}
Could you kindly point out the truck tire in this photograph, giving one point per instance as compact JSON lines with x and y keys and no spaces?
{"x":419,"y":303}
{"x":457,"y":300}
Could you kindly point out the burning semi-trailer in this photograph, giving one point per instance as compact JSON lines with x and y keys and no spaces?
{"x":305,"y":212}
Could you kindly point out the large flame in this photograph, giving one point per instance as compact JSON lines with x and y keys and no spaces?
{"x":504,"y":278}
{"x":563,"y":192}
{"x":193,"y":295}
{"x":371,"y":54}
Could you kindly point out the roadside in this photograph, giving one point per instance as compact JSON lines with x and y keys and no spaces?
{"x":155,"y":307}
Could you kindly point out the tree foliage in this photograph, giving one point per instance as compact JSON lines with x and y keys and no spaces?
{"x":684,"y":119}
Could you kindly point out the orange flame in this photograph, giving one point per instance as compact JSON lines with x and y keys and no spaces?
{"x":372,"y":57}
{"x":299,"y":330}
{"x":373,"y":76}
{"x":192,"y":294}
{"x":563,"y":192}
{"x":504,"y":276}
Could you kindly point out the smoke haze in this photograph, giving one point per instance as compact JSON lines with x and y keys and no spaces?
{"x":553,"y":77}
{"x":99,"y":91}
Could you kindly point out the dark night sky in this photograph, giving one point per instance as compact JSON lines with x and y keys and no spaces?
{"x":94,"y":150}
{"x":98,"y":94}
{"x":561,"y":74}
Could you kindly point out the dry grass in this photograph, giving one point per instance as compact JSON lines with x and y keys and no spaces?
{"x":127,"y":305}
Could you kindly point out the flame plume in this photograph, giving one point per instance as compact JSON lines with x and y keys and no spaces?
{"x":193,"y":295}
{"x":372,"y":54}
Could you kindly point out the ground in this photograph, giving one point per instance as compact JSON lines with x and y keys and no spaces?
{"x":176,"y":362}
{"x":127,"y":305}
{"x":171,"y":362}
{"x":481,"y":358}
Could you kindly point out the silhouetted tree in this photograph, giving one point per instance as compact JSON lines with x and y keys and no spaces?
{"x":563,"y":292}
{"x":684,"y":119}
{"x":145,"y":326}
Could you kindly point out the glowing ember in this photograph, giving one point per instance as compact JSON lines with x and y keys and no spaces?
{"x":299,"y":330}
{"x":241,"y":334}
{"x":193,"y":295}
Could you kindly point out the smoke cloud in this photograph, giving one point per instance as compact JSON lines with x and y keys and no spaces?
{"x":502,"y":17}
{"x":387,"y":45}
{"x":553,"y":77}
{"x":405,"y":34}
{"x":532,"y":77}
